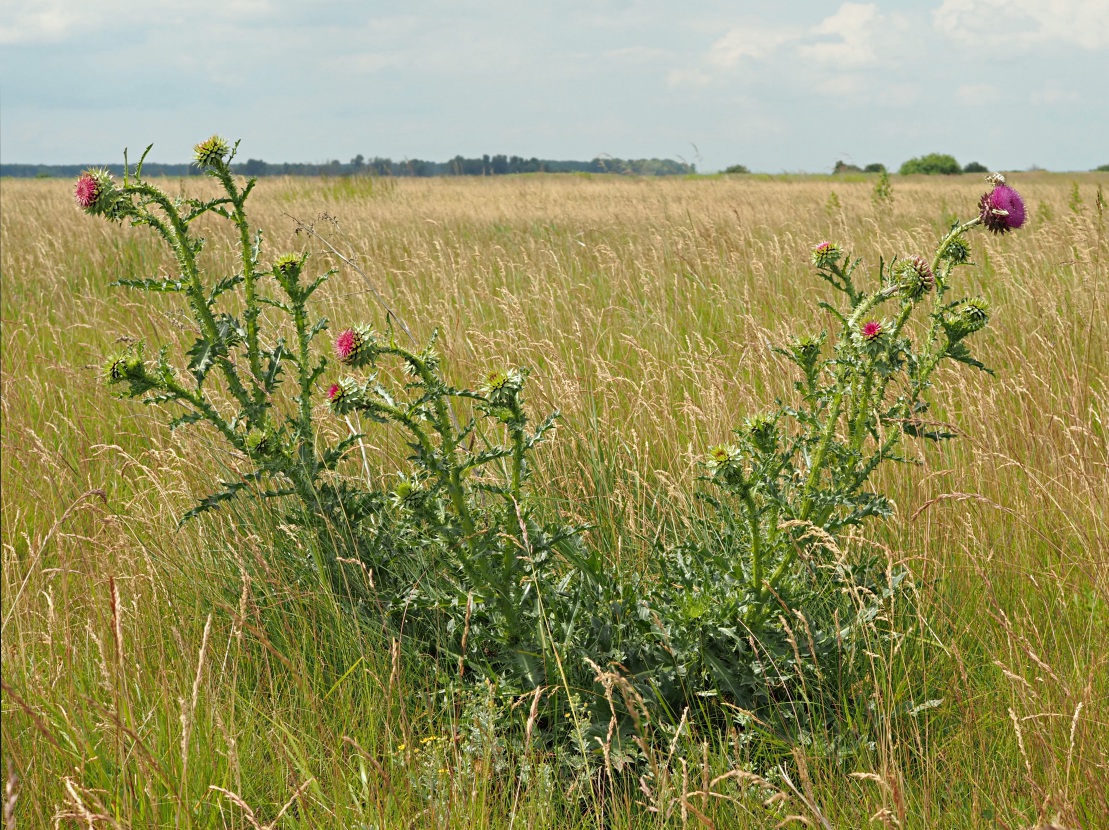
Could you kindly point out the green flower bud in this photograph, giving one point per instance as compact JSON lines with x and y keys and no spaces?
{"x":211,"y":153}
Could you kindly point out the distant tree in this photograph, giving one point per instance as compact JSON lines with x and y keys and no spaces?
{"x":358,"y":162}
{"x":737,"y":168}
{"x":254,"y":167}
{"x":844,"y":167}
{"x":500,"y":165}
{"x":1103,"y":169}
{"x":877,"y":167}
{"x":975,"y":167}
{"x":933,"y":164}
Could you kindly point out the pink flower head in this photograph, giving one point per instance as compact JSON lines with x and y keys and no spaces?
{"x":871,"y":331}
{"x":334,"y":391}
{"x":87,"y":191}
{"x":826,"y":254}
{"x":1002,"y":209}
{"x":346,"y":344}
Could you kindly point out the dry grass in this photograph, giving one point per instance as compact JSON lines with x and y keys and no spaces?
{"x":144,"y":666}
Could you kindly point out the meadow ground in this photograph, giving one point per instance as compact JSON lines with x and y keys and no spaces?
{"x":193,"y":677}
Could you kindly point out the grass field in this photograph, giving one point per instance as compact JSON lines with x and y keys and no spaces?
{"x":199,"y":677}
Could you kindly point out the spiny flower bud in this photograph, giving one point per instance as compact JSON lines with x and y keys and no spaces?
{"x":259,"y":442}
{"x":723,"y":455}
{"x":915,"y":278}
{"x":957,"y":251}
{"x":1002,"y":209}
{"x":344,"y":396}
{"x":211,"y":152}
{"x":125,"y":366}
{"x":763,"y":432}
{"x":806,"y":350}
{"x":355,"y":346}
{"x":826,"y":254}
{"x":966,"y":318}
{"x":288,"y":266}
{"x":501,"y":386}
{"x":408,"y":493}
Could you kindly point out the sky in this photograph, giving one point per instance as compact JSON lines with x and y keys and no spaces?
{"x":788,"y":86}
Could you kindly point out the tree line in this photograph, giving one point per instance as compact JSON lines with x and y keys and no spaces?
{"x":486,"y":165}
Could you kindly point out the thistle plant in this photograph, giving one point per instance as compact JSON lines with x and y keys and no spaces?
{"x":469,"y":563}
{"x":795,"y":479}
{"x":232,"y":372}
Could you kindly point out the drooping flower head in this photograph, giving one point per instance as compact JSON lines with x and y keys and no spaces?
{"x":871,"y":330}
{"x":826,"y":254}
{"x":211,"y":152}
{"x":1002,"y":209}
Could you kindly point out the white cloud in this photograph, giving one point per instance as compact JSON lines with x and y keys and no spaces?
{"x":748,"y":42}
{"x":1083,"y":23}
{"x":857,"y":27}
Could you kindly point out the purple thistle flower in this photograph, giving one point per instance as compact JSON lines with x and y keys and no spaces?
{"x":871,"y":330}
{"x":1002,"y":209}
{"x":347,"y":344}
{"x":87,"y":191}
{"x":334,"y":391}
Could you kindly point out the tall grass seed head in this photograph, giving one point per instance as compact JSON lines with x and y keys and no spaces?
{"x":355,"y":346}
{"x":915,"y":278}
{"x":211,"y":153}
{"x":1001,"y":210}
{"x":826,"y":254}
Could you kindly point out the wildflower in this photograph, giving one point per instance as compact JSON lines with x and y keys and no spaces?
{"x":354,"y":346}
{"x":826,"y":254}
{"x":95,"y":193}
{"x":871,"y":330}
{"x":916,"y":278}
{"x":345,"y":396}
{"x":87,"y":191}
{"x":211,"y":152}
{"x":1002,"y":209}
